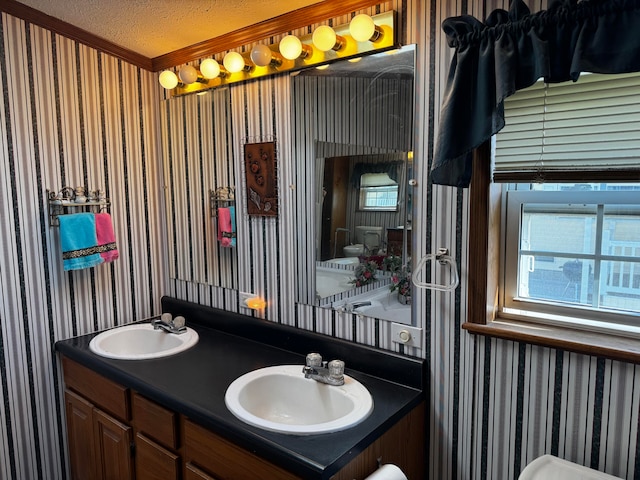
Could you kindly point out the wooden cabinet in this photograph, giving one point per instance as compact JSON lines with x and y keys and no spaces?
{"x":79,"y":429}
{"x":403,"y":445}
{"x":222,"y":459}
{"x":115,"y":433}
{"x":395,"y":241}
{"x":157,"y":456}
{"x":99,"y":445}
{"x":111,"y":397}
{"x":155,"y":421}
{"x":98,"y":425}
{"x":112,"y":440}
{"x":212,"y":457}
{"x":154,"y":462}
{"x":192,"y":472}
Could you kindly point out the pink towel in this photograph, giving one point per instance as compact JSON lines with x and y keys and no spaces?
{"x":106,"y":237}
{"x":225,"y":230}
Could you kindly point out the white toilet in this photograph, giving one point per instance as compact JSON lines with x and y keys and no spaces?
{"x":371,"y":236}
{"x":548,"y":467}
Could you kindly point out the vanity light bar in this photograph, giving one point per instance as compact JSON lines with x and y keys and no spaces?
{"x":325,"y":45}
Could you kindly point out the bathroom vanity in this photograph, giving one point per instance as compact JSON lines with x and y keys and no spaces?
{"x":166,"y":418}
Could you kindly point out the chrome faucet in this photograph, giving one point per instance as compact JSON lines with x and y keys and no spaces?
{"x":331,"y":373}
{"x":352,"y":307}
{"x":169,"y":324}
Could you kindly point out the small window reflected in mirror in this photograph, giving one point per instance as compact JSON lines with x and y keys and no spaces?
{"x":378,"y":192}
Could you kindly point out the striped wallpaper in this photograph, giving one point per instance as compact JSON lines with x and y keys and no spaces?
{"x":70,"y":115}
{"x":197,"y":153}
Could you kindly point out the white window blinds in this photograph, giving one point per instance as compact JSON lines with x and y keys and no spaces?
{"x":593,"y":124}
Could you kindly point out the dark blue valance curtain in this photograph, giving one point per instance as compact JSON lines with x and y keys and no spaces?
{"x":511,"y":51}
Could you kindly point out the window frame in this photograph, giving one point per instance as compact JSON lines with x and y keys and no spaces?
{"x":582,"y":316}
{"x":362,"y":194}
{"x":484,"y":263}
{"x":364,"y":189}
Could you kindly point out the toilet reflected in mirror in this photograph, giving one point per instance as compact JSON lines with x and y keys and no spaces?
{"x":368,"y":241}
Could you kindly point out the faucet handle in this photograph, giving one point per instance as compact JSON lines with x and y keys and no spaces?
{"x":166,"y":318}
{"x":336,"y":369}
{"x":179,"y":322}
{"x":313,"y":360}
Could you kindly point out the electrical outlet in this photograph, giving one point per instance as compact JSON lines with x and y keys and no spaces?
{"x":244,"y":297}
{"x":406,"y":335}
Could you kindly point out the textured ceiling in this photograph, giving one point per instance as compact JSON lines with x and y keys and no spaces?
{"x":156,"y":27}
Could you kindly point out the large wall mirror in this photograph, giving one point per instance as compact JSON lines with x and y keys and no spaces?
{"x":197,"y":152}
{"x":353,"y":141}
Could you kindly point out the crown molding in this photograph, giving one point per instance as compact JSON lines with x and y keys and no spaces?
{"x":43,"y":20}
{"x":283,"y":23}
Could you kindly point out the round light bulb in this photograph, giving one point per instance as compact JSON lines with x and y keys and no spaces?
{"x":233,"y":62}
{"x":168,"y":80}
{"x":188,"y":74}
{"x":290,"y":47}
{"x":261,"y":55}
{"x":324,"y":38}
{"x":209,"y":68}
{"x":362,"y":28}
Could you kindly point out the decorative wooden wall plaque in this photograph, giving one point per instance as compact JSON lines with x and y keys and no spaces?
{"x":262,"y":186}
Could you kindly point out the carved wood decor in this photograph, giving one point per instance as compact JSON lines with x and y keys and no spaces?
{"x":262,"y":187}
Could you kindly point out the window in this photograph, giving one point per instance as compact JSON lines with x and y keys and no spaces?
{"x":555,"y":221}
{"x":378,"y":192}
{"x":572,"y":253}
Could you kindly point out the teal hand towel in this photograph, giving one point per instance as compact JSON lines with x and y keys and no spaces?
{"x":232,"y":214}
{"x":79,"y":241}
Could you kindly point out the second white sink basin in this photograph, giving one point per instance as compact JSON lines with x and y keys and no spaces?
{"x":280,"y":399}
{"x":141,"y":342}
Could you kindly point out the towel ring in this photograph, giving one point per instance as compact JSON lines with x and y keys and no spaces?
{"x":443,"y":258}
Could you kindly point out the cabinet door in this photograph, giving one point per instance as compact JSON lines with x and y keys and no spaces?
{"x":154,"y":462}
{"x":80,"y":432}
{"x":113,"y":442}
{"x":223,"y":459}
{"x":156,"y":422}
{"x":194,"y":473}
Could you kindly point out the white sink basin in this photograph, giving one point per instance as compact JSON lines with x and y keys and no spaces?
{"x":141,"y":342}
{"x":280,"y":399}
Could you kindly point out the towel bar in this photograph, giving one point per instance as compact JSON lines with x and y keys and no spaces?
{"x":221,"y":196}
{"x":63,"y":202}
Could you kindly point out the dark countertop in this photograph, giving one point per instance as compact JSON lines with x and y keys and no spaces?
{"x":194,"y":382}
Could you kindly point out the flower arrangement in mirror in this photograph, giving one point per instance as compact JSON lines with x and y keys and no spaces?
{"x":365,"y":273}
{"x":401,"y":281}
{"x":392,"y":263}
{"x":400,"y":278}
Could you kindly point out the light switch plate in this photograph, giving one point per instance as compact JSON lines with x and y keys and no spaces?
{"x":406,"y":335}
